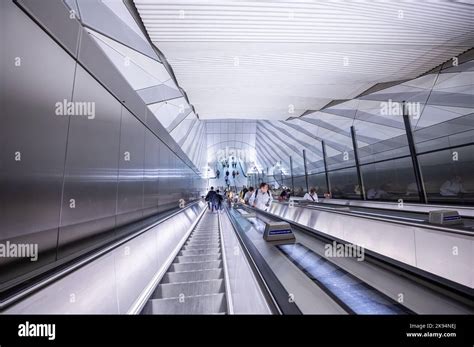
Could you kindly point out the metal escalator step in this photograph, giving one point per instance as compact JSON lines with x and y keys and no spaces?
{"x":206,"y":234}
{"x":204,"y":265}
{"x":193,"y":258}
{"x":202,"y":241}
{"x":190,"y":276}
{"x":187,"y":252}
{"x":204,"y":237}
{"x":175,"y":290}
{"x":201,"y":247}
{"x":201,"y":304}
{"x":201,"y":237}
{"x":193,"y":247}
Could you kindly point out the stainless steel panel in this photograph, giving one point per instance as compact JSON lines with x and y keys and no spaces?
{"x":247,"y":297}
{"x":131,"y":166}
{"x":56,"y":17}
{"x":150,"y":198}
{"x":111,"y":283}
{"x":136,"y":263}
{"x":447,"y":255}
{"x":30,"y":189}
{"x":444,"y":254}
{"x":91,"y":289}
{"x":165,"y":179}
{"x":91,"y":170}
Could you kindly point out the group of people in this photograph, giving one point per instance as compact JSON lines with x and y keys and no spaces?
{"x":225,"y":166}
{"x":260,"y":198}
{"x":225,"y":163}
{"x":214,"y":200}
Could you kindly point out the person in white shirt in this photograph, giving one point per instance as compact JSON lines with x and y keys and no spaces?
{"x":311,"y":196}
{"x":452,"y":187}
{"x":261,"y":198}
{"x":248,"y":195}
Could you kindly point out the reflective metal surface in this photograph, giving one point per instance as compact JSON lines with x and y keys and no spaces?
{"x":447,"y":255}
{"x":131,"y":169}
{"x":246,"y":295}
{"x":68,"y":180}
{"x":113,"y":282}
{"x":90,"y":183}
{"x":32,"y":138}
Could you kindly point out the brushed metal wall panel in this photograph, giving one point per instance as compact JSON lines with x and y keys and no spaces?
{"x":131,"y":166}
{"x":166,"y":179}
{"x":91,"y":170}
{"x":150,"y":197}
{"x":90,"y":289}
{"x":57,"y":18}
{"x":448,"y":255}
{"x":31,"y":208}
{"x":136,"y":263}
{"x":30,"y":188}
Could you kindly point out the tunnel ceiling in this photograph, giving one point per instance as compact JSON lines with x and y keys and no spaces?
{"x":275,"y":60}
{"x":255,"y":76}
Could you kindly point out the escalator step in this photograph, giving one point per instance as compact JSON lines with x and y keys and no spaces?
{"x":189,"y":276}
{"x":193,"y":258}
{"x":189,"y":252}
{"x":200,"y":304}
{"x":174,"y":290}
{"x":204,"y":265}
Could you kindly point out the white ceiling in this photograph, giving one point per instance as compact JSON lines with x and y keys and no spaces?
{"x":277,"y":59}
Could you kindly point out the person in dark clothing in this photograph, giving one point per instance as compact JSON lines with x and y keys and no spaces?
{"x":285,"y":195}
{"x":233,"y":174}
{"x":210,"y":197}
{"x":227,"y":173}
{"x":218,"y":173}
{"x":219,"y":199}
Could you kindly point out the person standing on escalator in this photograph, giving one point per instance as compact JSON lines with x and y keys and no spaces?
{"x":210,"y":198}
{"x":312,"y":195}
{"x":262,"y":198}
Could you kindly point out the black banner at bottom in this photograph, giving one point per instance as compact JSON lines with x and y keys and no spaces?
{"x":237,"y":329}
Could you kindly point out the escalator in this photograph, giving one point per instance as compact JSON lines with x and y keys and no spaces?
{"x":354,"y":281}
{"x":195,"y":281}
{"x":244,"y":171}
